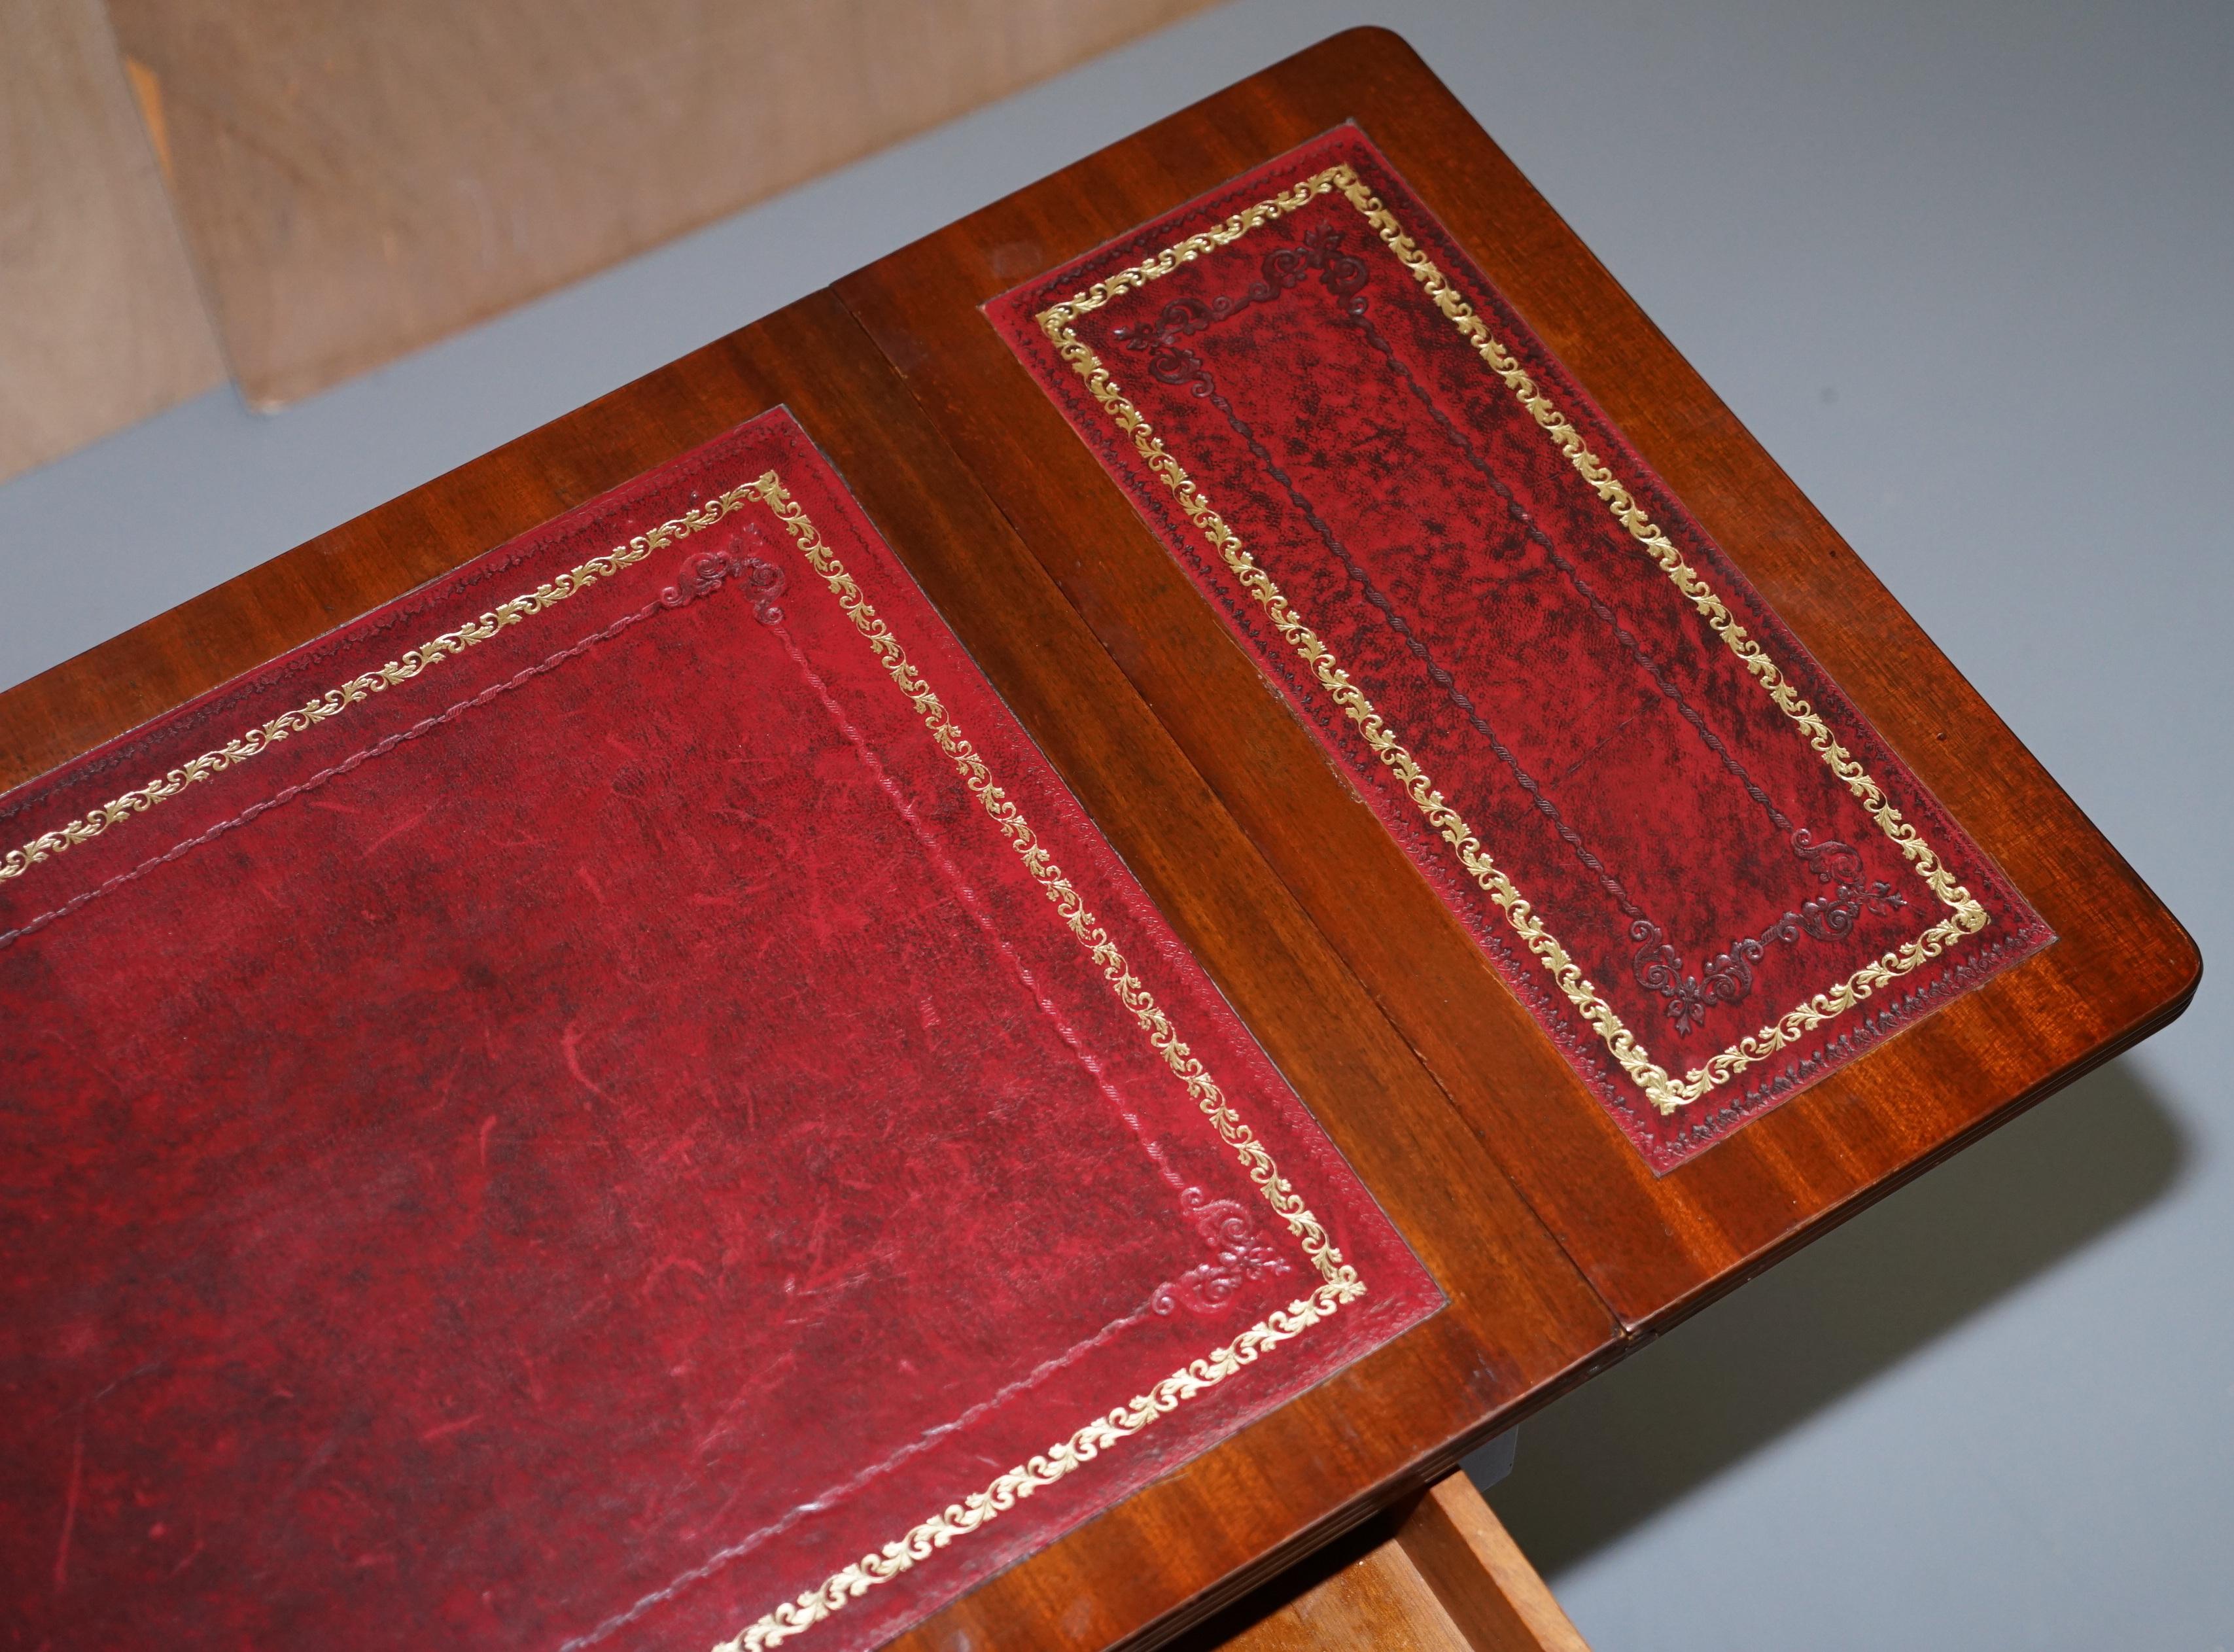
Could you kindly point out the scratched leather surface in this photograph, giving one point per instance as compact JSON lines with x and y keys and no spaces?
{"x":590,"y":1169}
{"x":1676,"y":833}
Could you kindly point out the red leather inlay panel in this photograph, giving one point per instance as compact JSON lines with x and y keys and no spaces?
{"x":583,"y":1144}
{"x":1673,"y":837}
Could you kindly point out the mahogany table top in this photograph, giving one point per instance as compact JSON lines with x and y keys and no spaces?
{"x":1558,"y":1247}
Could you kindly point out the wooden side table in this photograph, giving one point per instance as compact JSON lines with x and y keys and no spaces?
{"x":1558,"y":1251}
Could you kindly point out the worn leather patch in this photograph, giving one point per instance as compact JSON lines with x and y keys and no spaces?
{"x":618,"y":1102}
{"x":1676,"y":840}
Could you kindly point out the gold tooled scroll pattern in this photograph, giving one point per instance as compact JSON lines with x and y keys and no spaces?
{"x":335,"y":702}
{"x":1339,"y":1281}
{"x":1667,"y":1094}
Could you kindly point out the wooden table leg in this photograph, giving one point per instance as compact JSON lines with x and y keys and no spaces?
{"x":1439,"y":1575}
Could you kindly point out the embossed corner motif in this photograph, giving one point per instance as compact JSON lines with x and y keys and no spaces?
{"x":1726,"y":979}
{"x":747,"y":563}
{"x":1224,"y":1224}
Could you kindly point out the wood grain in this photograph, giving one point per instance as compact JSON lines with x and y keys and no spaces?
{"x":1379,"y":1600}
{"x":1521,"y":1325}
{"x":1479,"y":1576}
{"x":1466,"y":1125}
{"x":101,"y":324}
{"x":360,"y":181}
{"x":1655,"y":1249}
{"x":1436,"y":1574}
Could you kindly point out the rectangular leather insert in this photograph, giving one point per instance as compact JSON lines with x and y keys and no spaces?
{"x":617,"y":1102}
{"x":1709,"y":880}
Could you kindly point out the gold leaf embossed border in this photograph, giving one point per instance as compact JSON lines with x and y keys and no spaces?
{"x":1339,"y":1281}
{"x":1965,"y":916}
{"x":335,"y":702}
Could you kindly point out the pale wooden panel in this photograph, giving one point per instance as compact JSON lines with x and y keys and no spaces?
{"x":1444,"y":1577}
{"x":359,"y":179}
{"x":99,"y":322}
{"x":1379,"y":1601}
{"x":1477,"y":1571}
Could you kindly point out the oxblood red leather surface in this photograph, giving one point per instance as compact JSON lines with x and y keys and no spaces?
{"x":581,"y":1145}
{"x":1676,"y":840}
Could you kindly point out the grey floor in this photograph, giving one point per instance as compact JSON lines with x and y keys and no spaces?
{"x":1966,"y":270}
